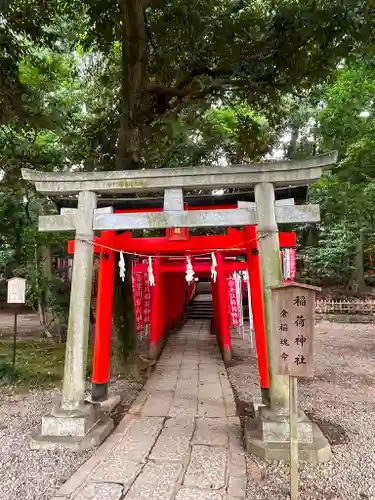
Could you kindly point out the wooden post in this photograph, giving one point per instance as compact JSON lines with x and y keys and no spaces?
{"x":14,"y":345}
{"x":293,"y":426}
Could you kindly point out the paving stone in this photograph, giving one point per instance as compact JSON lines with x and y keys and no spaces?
{"x":157,"y":404}
{"x":136,"y":407}
{"x":183,"y":406}
{"x":161,"y":382}
{"x":237,"y":465}
{"x":187,"y":387}
{"x":157,"y":482}
{"x":174,"y":442}
{"x":197,"y":494}
{"x":230,"y":408}
{"x":117,"y":469}
{"x":211,"y":431}
{"x":211,"y":408}
{"x":235,"y":436}
{"x":210,"y":391}
{"x":237,"y":486}
{"x":100,"y":491}
{"x":125,"y":460}
{"x":145,"y":426}
{"x":207,"y":467}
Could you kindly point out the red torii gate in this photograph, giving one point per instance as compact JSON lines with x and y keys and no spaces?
{"x":170,"y":275}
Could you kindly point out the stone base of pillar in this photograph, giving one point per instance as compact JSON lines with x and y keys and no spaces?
{"x":99,"y":392}
{"x":267,"y":437}
{"x":72,"y":430}
{"x":108,"y":405}
{"x":227,"y":354}
{"x":155,"y":349}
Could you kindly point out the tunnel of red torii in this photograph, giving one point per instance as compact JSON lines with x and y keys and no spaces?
{"x":169,"y":267}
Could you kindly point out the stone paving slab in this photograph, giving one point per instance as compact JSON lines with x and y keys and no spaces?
{"x":174,"y":441}
{"x":197,"y":494}
{"x":157,"y":404}
{"x":212,"y":432}
{"x":157,"y":482}
{"x":207,"y":467}
{"x":180,"y":439}
{"x":101,"y":491}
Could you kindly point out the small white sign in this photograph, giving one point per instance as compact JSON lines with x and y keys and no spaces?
{"x":16,"y":291}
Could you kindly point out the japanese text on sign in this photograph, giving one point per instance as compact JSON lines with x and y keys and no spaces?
{"x":16,"y":291}
{"x":293,"y":329}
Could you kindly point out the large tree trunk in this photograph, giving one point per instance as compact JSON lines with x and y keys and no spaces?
{"x":292,"y":148}
{"x":357,"y":280}
{"x":134,"y":75}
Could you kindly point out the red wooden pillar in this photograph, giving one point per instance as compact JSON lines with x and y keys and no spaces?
{"x":157,"y":317}
{"x":103,"y":326}
{"x":222,"y":288}
{"x":257,"y":306}
{"x":169,"y":299}
{"x":178,"y":292}
{"x":215,"y":308}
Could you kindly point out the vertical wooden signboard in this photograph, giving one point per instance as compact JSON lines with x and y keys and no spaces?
{"x":293,"y":351}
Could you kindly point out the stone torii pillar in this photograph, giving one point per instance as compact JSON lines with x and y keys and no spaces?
{"x":73,"y":424}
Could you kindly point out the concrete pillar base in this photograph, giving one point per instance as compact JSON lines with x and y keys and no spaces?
{"x":227,"y":355}
{"x":154,"y":350}
{"x":72,"y":430}
{"x":99,"y":392}
{"x":267,"y":437}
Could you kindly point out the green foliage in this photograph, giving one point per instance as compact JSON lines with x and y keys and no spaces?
{"x":7,"y":374}
{"x":351,"y":94}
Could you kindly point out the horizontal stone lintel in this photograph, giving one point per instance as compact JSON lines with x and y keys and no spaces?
{"x":280,"y":173}
{"x":198,"y":218}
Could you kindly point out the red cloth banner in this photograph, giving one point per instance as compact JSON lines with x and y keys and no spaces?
{"x":289,"y":261}
{"x":141,"y":296}
{"x":146,"y":301}
{"x":233,"y":303}
{"x":293,"y":263}
{"x":138,"y":297}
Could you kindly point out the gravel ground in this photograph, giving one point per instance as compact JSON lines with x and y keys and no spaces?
{"x":37,"y":475}
{"x":342,"y":399}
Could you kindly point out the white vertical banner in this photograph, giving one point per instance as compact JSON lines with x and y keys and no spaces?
{"x":238,"y":281}
{"x":288,"y":273}
{"x":251,"y":317}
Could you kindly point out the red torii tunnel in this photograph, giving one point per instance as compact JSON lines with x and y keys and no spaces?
{"x":169,"y":275}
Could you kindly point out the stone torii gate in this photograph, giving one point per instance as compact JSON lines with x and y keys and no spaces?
{"x":78,"y":424}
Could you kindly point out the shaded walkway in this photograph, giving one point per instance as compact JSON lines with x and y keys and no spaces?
{"x":181,"y":439}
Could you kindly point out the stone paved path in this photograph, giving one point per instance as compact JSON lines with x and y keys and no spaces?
{"x":181,"y":439}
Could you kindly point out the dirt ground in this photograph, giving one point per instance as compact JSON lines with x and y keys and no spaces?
{"x":341,"y":399}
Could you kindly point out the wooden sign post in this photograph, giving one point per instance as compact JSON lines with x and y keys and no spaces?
{"x":293,"y":351}
{"x":16,"y":295}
